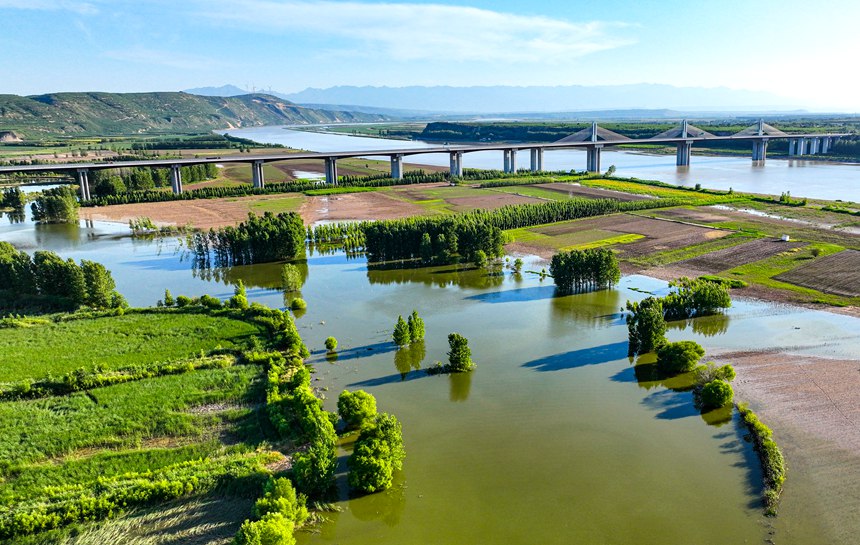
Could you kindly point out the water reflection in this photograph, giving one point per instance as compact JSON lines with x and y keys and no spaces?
{"x":461,"y":386}
{"x":709,"y":326}
{"x":386,"y":506}
{"x":409,"y":358}
{"x":15,"y":216}
{"x":450,"y":275}
{"x":261,"y":275}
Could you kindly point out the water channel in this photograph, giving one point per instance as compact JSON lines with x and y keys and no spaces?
{"x":800,"y":177}
{"x":555,"y":438}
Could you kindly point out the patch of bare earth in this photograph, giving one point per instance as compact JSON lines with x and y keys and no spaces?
{"x":837,"y":273}
{"x":496,"y":200}
{"x":575,"y":190}
{"x":813,"y":406}
{"x":696,"y":215}
{"x":202,"y":213}
{"x":372,"y":205}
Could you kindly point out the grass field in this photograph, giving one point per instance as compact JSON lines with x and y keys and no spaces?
{"x":60,"y":347}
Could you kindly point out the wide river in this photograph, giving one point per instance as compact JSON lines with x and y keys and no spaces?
{"x":556,"y":438}
{"x":802,"y":178}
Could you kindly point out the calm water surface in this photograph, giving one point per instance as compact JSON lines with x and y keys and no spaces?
{"x":802,"y":178}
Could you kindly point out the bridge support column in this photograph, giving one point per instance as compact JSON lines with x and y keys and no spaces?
{"x":456,"y":164}
{"x":176,"y":178}
{"x":331,"y":171}
{"x":593,"y":158}
{"x":682,"y":156}
{"x":759,"y":151}
{"x":816,"y":146}
{"x":397,"y":167}
{"x":801,"y":146}
{"x":257,"y":175}
{"x":825,"y":145}
{"x":792,"y":147}
{"x":536,"y":159}
{"x":84,"y":184}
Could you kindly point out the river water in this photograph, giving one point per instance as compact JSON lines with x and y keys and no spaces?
{"x":555,"y":438}
{"x":802,"y":178}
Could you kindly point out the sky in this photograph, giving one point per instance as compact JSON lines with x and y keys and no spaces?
{"x":802,"y":50}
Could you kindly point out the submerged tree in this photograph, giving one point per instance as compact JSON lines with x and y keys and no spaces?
{"x":416,"y":327}
{"x":646,"y":327}
{"x":402,"y":335}
{"x":459,"y":354}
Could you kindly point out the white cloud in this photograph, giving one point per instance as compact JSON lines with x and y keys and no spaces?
{"x":83,"y":8}
{"x":169,"y":59}
{"x":417,"y":32}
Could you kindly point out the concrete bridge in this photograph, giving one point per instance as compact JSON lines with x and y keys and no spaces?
{"x":593,"y":139}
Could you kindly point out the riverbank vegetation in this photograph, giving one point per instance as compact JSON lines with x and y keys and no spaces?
{"x":260,"y":239}
{"x":772,"y":461}
{"x":56,"y":205}
{"x":580,"y":270}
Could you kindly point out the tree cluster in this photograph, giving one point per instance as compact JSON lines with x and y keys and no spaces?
{"x":13,"y":198}
{"x":56,"y":205}
{"x":48,"y":280}
{"x":579,"y":270}
{"x":432,"y":240}
{"x":409,"y":330}
{"x":377,"y":454}
{"x":260,"y":239}
{"x":276,"y":515}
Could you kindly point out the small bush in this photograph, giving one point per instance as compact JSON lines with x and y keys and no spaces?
{"x":272,"y":529}
{"x":298,"y":304}
{"x":280,"y":497}
{"x":356,"y":407}
{"x":169,"y":301}
{"x":183,"y":301}
{"x":331,"y":344}
{"x":717,"y":393}
{"x":679,"y":357}
{"x":459,"y":355}
{"x":210,"y":302}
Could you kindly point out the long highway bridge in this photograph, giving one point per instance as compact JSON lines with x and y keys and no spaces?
{"x":593,"y":139}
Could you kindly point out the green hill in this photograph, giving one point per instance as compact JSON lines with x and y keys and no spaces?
{"x":148,"y":113}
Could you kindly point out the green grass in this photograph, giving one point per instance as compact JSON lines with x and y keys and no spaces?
{"x":695,"y":197}
{"x":762,"y":273}
{"x":574,"y":240}
{"x":112,"y":342}
{"x":277,"y":206}
{"x":122,"y":415}
{"x":626,"y":238}
{"x":536,"y":192}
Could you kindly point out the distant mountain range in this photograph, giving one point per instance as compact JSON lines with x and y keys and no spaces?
{"x":504,"y":99}
{"x":133,"y":113}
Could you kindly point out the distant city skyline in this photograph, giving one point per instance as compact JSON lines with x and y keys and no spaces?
{"x":800,"y":52}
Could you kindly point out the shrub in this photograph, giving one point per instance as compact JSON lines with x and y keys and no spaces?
{"x":710,"y":371}
{"x":717,"y":393}
{"x":401,"y":335}
{"x":459,"y":355}
{"x":314,"y":469}
{"x":298,"y":304}
{"x":210,"y":302}
{"x":273,"y":529}
{"x":183,"y":301}
{"x":480,"y":259}
{"x":169,"y":301}
{"x":356,"y":407}
{"x":331,"y":344}
{"x":679,"y":357}
{"x":240,"y":297}
{"x":280,"y":497}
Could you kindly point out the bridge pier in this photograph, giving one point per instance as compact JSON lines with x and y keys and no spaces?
{"x":593,"y":158}
{"x":759,"y":150}
{"x":176,"y":178}
{"x":792,"y":147}
{"x":536,"y":159}
{"x":510,"y":160}
{"x":257,"y":175}
{"x":682,"y":156}
{"x":801,"y":147}
{"x":816,"y":143}
{"x":331,"y":171}
{"x":825,"y":145}
{"x":397,"y":167}
{"x":456,"y":164}
{"x":84,"y":184}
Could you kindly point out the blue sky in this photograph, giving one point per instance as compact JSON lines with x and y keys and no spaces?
{"x":799,"y":49}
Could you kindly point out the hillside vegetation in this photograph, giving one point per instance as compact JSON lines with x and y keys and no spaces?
{"x":133,"y":113}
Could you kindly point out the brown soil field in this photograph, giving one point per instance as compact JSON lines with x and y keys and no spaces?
{"x":591,"y":193}
{"x":357,"y":206}
{"x":496,"y":200}
{"x":735,"y":256}
{"x":812,"y":405}
{"x":696,"y":215}
{"x":203,"y":213}
{"x":837,"y":273}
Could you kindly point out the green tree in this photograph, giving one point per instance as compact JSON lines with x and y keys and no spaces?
{"x":426,"y":249}
{"x":57,"y":205}
{"x":109,"y":185}
{"x":331,"y":344}
{"x":298,"y":304}
{"x":678,"y":357}
{"x":416,"y":327}
{"x":58,"y":278}
{"x":459,"y":354}
{"x":377,"y":454}
{"x":99,"y":285}
{"x":646,"y":327}
{"x":169,"y":301}
{"x":291,"y":278}
{"x":240,"y":296}
{"x":717,"y":393}
{"x":140,"y":179}
{"x":401,"y":334}
{"x":356,"y":408}
{"x":314,"y":469}
{"x":480,"y":259}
